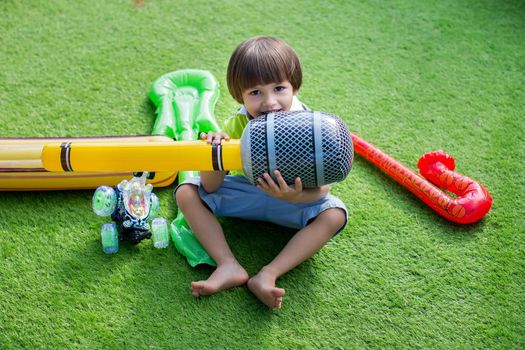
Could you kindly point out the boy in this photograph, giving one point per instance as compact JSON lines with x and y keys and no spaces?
{"x":264,"y":74}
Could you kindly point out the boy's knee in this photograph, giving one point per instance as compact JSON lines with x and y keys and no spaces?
{"x":186,"y":194}
{"x":335,"y":218}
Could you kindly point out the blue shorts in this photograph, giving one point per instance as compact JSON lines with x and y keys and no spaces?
{"x":238,"y":198}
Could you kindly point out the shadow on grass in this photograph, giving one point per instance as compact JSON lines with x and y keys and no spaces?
{"x":148,"y":109}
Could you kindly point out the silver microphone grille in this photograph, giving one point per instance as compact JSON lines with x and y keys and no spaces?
{"x":315,"y":146}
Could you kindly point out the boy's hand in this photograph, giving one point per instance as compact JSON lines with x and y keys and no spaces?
{"x":216,"y":137}
{"x":280,"y":189}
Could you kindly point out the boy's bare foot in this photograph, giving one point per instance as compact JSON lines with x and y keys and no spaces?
{"x":227,"y":275}
{"x":263,"y":286}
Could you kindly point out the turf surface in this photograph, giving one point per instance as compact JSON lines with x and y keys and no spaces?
{"x":409,"y":76}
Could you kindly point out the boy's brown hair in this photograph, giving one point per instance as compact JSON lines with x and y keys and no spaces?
{"x":262,"y":60}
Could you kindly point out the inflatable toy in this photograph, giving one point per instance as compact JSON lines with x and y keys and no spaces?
{"x":314,"y":146}
{"x":132,"y":207}
{"x":472,"y":200}
{"x":21,"y":166}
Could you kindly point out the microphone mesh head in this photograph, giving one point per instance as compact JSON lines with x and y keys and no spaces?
{"x":338,"y":146}
{"x":315,"y":146}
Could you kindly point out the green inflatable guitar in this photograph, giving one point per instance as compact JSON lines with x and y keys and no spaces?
{"x":185,"y":102}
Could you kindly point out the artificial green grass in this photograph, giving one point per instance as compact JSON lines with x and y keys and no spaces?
{"x":409,"y":76}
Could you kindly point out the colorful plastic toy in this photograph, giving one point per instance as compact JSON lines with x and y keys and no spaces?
{"x":132,"y":207}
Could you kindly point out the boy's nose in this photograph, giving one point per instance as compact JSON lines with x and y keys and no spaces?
{"x":270,"y":101}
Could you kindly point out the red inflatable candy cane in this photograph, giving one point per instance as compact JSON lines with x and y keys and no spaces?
{"x":472,"y":200}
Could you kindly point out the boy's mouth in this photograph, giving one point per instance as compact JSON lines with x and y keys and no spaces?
{"x":270,"y":111}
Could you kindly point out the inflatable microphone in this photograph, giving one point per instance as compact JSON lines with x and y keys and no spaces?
{"x":315,"y":146}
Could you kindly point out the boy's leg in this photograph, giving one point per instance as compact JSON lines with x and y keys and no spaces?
{"x":229,"y":273}
{"x":303,"y":245}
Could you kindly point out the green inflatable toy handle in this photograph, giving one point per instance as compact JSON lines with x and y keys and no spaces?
{"x":185,"y":101}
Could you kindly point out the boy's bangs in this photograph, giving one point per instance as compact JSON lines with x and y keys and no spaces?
{"x":262,"y":71}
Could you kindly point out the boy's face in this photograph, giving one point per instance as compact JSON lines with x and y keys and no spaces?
{"x":274,"y":97}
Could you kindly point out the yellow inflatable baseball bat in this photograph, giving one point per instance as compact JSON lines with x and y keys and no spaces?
{"x":21,"y":167}
{"x":153,"y":156}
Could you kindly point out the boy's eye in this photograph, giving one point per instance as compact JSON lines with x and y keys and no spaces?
{"x":254,"y":93}
{"x":280,"y":88}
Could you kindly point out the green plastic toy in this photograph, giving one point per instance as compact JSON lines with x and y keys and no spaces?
{"x":185,"y":101}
